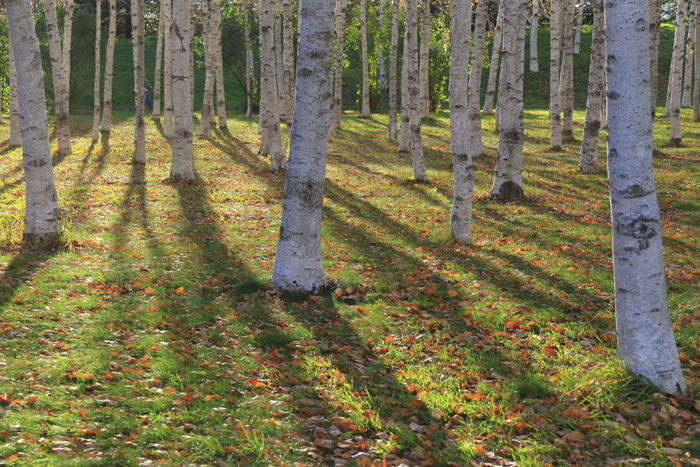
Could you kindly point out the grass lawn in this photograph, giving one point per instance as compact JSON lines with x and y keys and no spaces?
{"x":154,"y":335}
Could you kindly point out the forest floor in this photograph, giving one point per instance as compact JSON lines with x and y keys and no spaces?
{"x":153,"y":335}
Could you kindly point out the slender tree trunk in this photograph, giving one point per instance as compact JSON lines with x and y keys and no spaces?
{"x":476,"y":146}
{"x":279,"y":65}
{"x":405,"y":136}
{"x":207,"y":112}
{"x":463,"y":196}
{"x":495,"y":60}
{"x":57,"y":73}
{"x":167,"y":71}
{"x":393,"y":55}
{"x":425,"y":59}
{"x":381,"y":59}
{"x":288,"y":59}
{"x":414,"y":92}
{"x":96,"y":86}
{"x":677,"y":74}
{"x":68,"y":9}
{"x":218,"y":63}
{"x":182,"y":165}
{"x":644,"y":335}
{"x":508,"y":179}
{"x":193,"y":30}
{"x":579,"y":23}
{"x":555,"y":139}
{"x":248,"y":61}
{"x":588,"y":162}
{"x":686,"y":97}
{"x":365,"y":61}
{"x":41,"y":216}
{"x":137,"y":32}
{"x":159,"y":62}
{"x":337,"y":109}
{"x":271,"y":135}
{"x":696,"y":94}
{"x":534,"y":65}
{"x":15,"y":122}
{"x":106,"y":124}
{"x":667,"y":107}
{"x":566,"y":84}
{"x":298,"y":262}
{"x":654,"y":51}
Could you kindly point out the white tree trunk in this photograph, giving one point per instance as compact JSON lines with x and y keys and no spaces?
{"x":270,"y":133}
{"x":476,"y":146}
{"x":667,"y":107}
{"x":677,"y":74}
{"x":106,"y":124}
{"x":207,"y":111}
{"x":686,"y":97}
{"x":566,"y":83}
{"x":182,"y":165}
{"x":696,"y":69}
{"x":218,"y":63}
{"x":463,"y":195}
{"x":68,"y":9}
{"x":15,"y":123}
{"x":393,"y":55}
{"x":365,"y":61}
{"x":248,"y":61}
{"x":96,"y":86}
{"x":425,"y":59}
{"x":279,"y":65}
{"x":534,"y":64}
{"x":588,"y":162}
{"x":158,"y":67}
{"x":42,"y":217}
{"x":193,"y":31}
{"x":298,"y":262}
{"x":167,"y":70}
{"x":554,"y":96}
{"x":508,"y":179}
{"x":645,"y":337}
{"x":57,"y":73}
{"x":381,"y":59}
{"x":137,"y":33}
{"x":405,"y":136}
{"x":414,"y":111}
{"x":579,"y":23}
{"x":288,"y":59}
{"x":337,"y":108}
{"x":495,"y":61}
{"x":654,"y":51}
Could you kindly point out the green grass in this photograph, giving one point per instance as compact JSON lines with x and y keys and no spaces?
{"x":154,"y":334}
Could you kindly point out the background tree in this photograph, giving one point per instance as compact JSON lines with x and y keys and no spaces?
{"x":555,"y":138}
{"x":159,"y":64}
{"x":495,"y":61}
{"x":393,"y":55}
{"x":337,"y":108}
{"x":414,"y":115}
{"x":96,"y":87}
{"x":182,"y":166}
{"x":58,"y":72}
{"x":424,"y":71}
{"x":588,"y":162}
{"x":676,"y":75}
{"x":365,"y":62}
{"x":476,"y":146}
{"x":15,"y":122}
{"x":139,"y":91}
{"x":106,"y":124}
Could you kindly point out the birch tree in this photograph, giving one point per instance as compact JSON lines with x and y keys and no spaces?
{"x":137,"y":33}
{"x":654,"y":51}
{"x":218,"y":63}
{"x":696,"y":95}
{"x":495,"y":61}
{"x":588,"y":162}
{"x":475,"y":138}
{"x":337,"y":108}
{"x":207,"y":112}
{"x":416,"y":136}
{"x":365,"y":61}
{"x":248,"y":61}
{"x":182,"y":166}
{"x":15,"y":122}
{"x":463,"y":195}
{"x":579,"y":23}
{"x":393,"y":55}
{"x":106,"y":124}
{"x":96,"y":85}
{"x":555,"y":139}
{"x":59,"y":82}
{"x":686,"y":96}
{"x":270,"y":133}
{"x":41,"y":216}
{"x":405,"y":136}
{"x":644,"y":335}
{"x":167,"y":70}
{"x":534,"y":65}
{"x":425,"y":59}
{"x":566,"y":83}
{"x":298,"y":261}
{"x":279,"y":65}
{"x":677,"y":74}
{"x":288,"y":58}
{"x":158,"y":68}
{"x":508,"y":179}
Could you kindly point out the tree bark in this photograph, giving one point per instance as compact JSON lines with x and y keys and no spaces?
{"x":508,"y":179}
{"x":566,"y":83}
{"x":462,"y":166}
{"x":159,"y":63}
{"x":381,"y":59}
{"x":288,"y":59}
{"x":137,"y":32}
{"x":182,"y":165}
{"x":654,"y":51}
{"x":167,"y":71}
{"x":476,"y":146}
{"x":393,"y":55}
{"x":279,"y":64}
{"x":41,"y":216}
{"x":425,"y":59}
{"x":218,"y":63}
{"x":645,"y":337}
{"x":15,"y":122}
{"x":68,"y":10}
{"x":534,"y":65}
{"x":337,"y":108}
{"x":248,"y":61}
{"x":579,"y":23}
{"x":96,"y":85}
{"x":405,"y":136}
{"x":588,"y":162}
{"x":677,"y":74}
{"x":696,"y":94}
{"x":106,"y":124}
{"x":193,"y":30}
{"x":271,"y":135}
{"x":555,"y":138}
{"x":495,"y":61}
{"x":365,"y":61}
{"x":414,"y":114}
{"x":207,"y":112}
{"x":686,"y":96}
{"x":57,"y":72}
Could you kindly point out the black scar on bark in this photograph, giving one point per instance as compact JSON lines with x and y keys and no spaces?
{"x":510,"y":191}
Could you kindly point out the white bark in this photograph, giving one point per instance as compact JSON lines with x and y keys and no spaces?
{"x":337,"y":107}
{"x":15,"y":132}
{"x":566,"y":83}
{"x":667,"y":107}
{"x":393,"y":56}
{"x":579,"y":23}
{"x":554,"y":96}
{"x":207,"y":111}
{"x":476,"y":146}
{"x":462,"y":166}
{"x":96,"y":86}
{"x":106,"y":124}
{"x":405,"y":135}
{"x":279,"y":65}
{"x":288,"y":58}
{"x":167,"y":71}
{"x":677,"y":74}
{"x":696,"y":69}
{"x":686,"y":97}
{"x":654,"y":51}
{"x":248,"y":61}
{"x":298,"y":262}
{"x":270,"y":133}
{"x":137,"y":33}
{"x":588,"y":162}
{"x":508,"y":179}
{"x":534,"y":65}
{"x":365,"y":61}
{"x":182,"y":165}
{"x":381,"y":59}
{"x":193,"y":30}
{"x":495,"y":61}
{"x":68,"y":9}
{"x":42,"y":216}
{"x":645,"y":337}
{"x":158,"y":67}
{"x":59,"y":82}
{"x":218,"y":63}
{"x":414,"y":114}
{"x":425,"y":59}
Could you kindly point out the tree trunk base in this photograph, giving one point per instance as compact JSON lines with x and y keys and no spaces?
{"x":46,"y":240}
{"x":567,"y":137}
{"x":676,"y":142}
{"x":510,"y":191}
{"x":589,"y":170}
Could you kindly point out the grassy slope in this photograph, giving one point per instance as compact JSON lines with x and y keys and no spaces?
{"x":154,"y":334}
